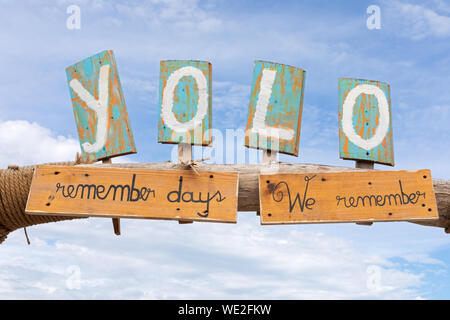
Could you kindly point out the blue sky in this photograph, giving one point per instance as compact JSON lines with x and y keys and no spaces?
{"x":158,"y":259}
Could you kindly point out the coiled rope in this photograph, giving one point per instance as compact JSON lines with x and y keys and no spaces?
{"x":15,"y":185}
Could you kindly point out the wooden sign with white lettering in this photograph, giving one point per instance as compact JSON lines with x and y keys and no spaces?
{"x":347,"y":197}
{"x":99,"y":108}
{"x":275,"y":109}
{"x":185,"y":99}
{"x":365,"y":121}
{"x":134,"y":193}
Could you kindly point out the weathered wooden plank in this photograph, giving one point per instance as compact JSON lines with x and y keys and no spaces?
{"x":365,"y":121}
{"x":248,"y":198}
{"x":99,"y":108}
{"x":248,"y":190}
{"x":275,"y":108}
{"x":185,"y":100}
{"x":347,"y":197}
{"x":133,"y":193}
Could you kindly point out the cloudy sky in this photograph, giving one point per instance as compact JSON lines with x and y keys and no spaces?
{"x":159,"y":259}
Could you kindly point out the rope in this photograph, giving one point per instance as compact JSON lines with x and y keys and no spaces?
{"x":15,"y":185}
{"x":26,"y":236}
{"x":192,"y":163}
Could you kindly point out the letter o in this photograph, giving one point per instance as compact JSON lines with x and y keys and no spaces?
{"x":347,"y":115}
{"x":167,"y":100}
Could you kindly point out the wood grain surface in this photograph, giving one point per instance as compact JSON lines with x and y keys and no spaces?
{"x":347,"y":197}
{"x":99,"y":107}
{"x":275,"y":108}
{"x":134,"y":193}
{"x":365,"y":121}
{"x":185,"y":93}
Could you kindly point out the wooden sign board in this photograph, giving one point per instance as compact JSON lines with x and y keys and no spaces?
{"x":275,"y":108}
{"x":133,"y":193}
{"x":347,"y":197}
{"x":365,"y":121}
{"x":99,"y":108}
{"x":185,"y":92}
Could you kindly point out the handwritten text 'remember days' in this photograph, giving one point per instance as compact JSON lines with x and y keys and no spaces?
{"x":131,"y":193}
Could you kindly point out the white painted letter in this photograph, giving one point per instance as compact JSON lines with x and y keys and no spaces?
{"x":259,"y":120}
{"x":347,"y":115}
{"x":167,"y":100}
{"x":100,"y":107}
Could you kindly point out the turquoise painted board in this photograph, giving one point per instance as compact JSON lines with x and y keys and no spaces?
{"x":365,"y":121}
{"x":185,"y":93}
{"x":99,"y":108}
{"x":275,"y":109}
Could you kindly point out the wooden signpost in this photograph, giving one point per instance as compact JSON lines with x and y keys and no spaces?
{"x":185,"y":116}
{"x":100,"y":111}
{"x":185,"y":99}
{"x":99,"y":108}
{"x":134,"y":193}
{"x":347,"y":197}
{"x":275,"y":109}
{"x":365,"y":122}
{"x":365,"y":125}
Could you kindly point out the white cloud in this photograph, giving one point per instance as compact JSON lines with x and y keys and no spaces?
{"x":159,"y":260}
{"x":417,"y":21}
{"x":182,"y":15}
{"x":24,"y":143}
{"x":420,"y":258}
{"x":154,"y":259}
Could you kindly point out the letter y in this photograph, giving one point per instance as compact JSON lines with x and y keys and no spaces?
{"x":100,"y":107}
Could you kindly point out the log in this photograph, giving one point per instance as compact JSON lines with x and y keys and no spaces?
{"x":15,"y":184}
{"x":248,"y":182}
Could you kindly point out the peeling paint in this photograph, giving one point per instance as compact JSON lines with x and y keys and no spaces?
{"x":118,"y":138}
{"x":275,"y":113}
{"x":370,"y":120}
{"x":185,"y":102}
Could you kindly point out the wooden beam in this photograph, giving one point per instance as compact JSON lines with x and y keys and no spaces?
{"x":184,"y":157}
{"x":115,"y":221}
{"x":184,"y":153}
{"x":270,"y":156}
{"x":362,"y":164}
{"x":248,"y":190}
{"x":248,"y":182}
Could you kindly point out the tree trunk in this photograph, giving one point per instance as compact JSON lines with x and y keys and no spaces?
{"x":15,"y":185}
{"x":248,"y":182}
